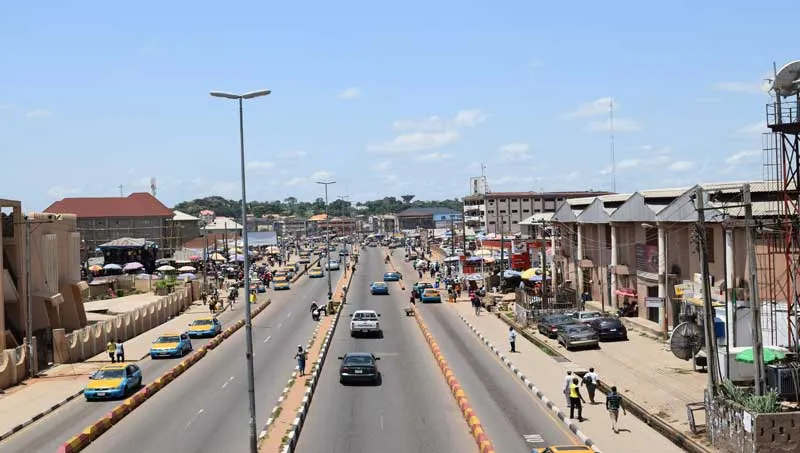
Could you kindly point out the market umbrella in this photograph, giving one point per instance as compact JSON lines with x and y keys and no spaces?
{"x":186,"y":276}
{"x":528,"y":273}
{"x":95,"y":268}
{"x":217,"y":257}
{"x":770,"y":355}
{"x":195,"y":258}
{"x":237,"y":258}
{"x":132,"y":267}
{"x":187,"y":269}
{"x":165,"y":268}
{"x":510,"y":274}
{"x":112,"y":267}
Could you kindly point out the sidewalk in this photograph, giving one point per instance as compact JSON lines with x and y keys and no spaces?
{"x":651,"y":385}
{"x":62,"y":383}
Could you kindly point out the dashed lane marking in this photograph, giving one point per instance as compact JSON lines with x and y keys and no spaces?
{"x":267,"y":339}
{"x":533,"y":438}
{"x":194,"y":418}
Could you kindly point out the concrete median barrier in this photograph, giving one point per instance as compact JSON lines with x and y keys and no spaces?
{"x":92,"y":432}
{"x":473,"y":422}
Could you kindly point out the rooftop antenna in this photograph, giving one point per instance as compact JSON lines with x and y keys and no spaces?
{"x":120,"y":191}
{"x":153,"y":186}
{"x":613,"y":157}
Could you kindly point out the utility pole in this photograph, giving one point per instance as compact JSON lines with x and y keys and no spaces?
{"x":708,"y":309}
{"x":29,"y":300}
{"x":543,"y":258}
{"x":502,"y":243}
{"x":328,"y":239}
{"x":755,"y":302}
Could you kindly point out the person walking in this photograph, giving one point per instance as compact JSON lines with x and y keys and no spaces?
{"x":252,"y":296}
{"x":111,"y":349}
{"x":512,"y":339}
{"x":301,"y":360}
{"x":567,"y":382}
{"x":590,"y":380}
{"x":476,"y":304}
{"x":575,"y":399}
{"x":613,"y":405}
{"x":119,"y":349}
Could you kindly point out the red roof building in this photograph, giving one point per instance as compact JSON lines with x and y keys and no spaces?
{"x":138,"y":204}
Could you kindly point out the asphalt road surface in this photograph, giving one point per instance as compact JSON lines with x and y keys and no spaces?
{"x":206,"y":408}
{"x":514,"y":419}
{"x":412,"y":411}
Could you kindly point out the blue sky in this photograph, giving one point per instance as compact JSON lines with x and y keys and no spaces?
{"x":386,"y":98}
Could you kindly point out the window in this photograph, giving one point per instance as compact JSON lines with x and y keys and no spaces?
{"x":514,"y":222}
{"x":525,"y":211}
{"x":513,"y":211}
{"x":513,"y":200}
{"x":491,"y":222}
{"x":502,"y":211}
{"x":651,"y":236}
{"x":526,"y":200}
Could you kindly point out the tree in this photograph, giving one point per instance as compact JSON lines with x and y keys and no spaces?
{"x":407,"y":198}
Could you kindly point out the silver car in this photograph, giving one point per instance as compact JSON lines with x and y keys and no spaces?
{"x":578,"y":336}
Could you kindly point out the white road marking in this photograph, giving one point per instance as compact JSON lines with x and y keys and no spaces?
{"x":194,"y":418}
{"x":280,"y":325}
{"x":289,"y":315}
{"x":267,"y":339}
{"x":381,"y":421}
{"x":533,"y":438}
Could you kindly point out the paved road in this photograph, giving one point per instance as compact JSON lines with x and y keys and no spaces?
{"x":412,"y":411}
{"x":216,"y":384}
{"x":514,"y":419}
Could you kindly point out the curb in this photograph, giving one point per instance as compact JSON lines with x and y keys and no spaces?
{"x":659,"y":425}
{"x":573,"y":427}
{"x":40,"y":415}
{"x":475,"y":427}
{"x":92,"y":432}
{"x":297,"y":425}
{"x":305,"y":270}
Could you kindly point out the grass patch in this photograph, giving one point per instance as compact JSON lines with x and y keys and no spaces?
{"x":277,"y":412}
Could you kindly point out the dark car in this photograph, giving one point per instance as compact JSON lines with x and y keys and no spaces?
{"x":609,"y":329}
{"x":577,"y":336}
{"x":392,"y":277}
{"x":548,"y":326}
{"x":359,"y":367}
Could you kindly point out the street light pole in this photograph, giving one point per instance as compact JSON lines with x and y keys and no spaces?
{"x":248,"y":318}
{"x":29,"y":299}
{"x":328,"y":238}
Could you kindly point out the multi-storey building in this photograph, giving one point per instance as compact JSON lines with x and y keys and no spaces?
{"x":503,"y":211}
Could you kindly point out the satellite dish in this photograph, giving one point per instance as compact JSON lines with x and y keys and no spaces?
{"x":687,"y":340}
{"x":787,"y":80}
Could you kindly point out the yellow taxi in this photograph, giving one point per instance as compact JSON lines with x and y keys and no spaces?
{"x":315,"y":272}
{"x":281,"y":283}
{"x":208,"y":326}
{"x":171,"y":344}
{"x":113,"y":381}
{"x":563,"y":449}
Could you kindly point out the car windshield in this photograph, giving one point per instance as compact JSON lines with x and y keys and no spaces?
{"x":430,"y":292}
{"x":365,"y":316}
{"x":202,"y":322}
{"x":168,"y":339}
{"x":358,"y":360}
{"x":577,"y":330}
{"x":379,"y":284}
{"x":117,"y":373}
{"x":558,"y":319}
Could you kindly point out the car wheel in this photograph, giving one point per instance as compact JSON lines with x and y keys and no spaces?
{"x":352,"y":334}
{"x":379,"y":379}
{"x":380,"y":334}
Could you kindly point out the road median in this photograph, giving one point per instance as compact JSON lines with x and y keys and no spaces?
{"x":474,"y":423}
{"x":82,"y":440}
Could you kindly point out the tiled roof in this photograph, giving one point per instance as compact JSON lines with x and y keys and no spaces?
{"x":318,"y":217}
{"x":138,"y":204}
{"x":417,"y":212}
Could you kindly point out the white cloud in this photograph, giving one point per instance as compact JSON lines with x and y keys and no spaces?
{"x":59,"y":192}
{"x":433,"y":157}
{"x":260,"y":165}
{"x":293,"y":154}
{"x":431,"y":123}
{"x":296,"y":181}
{"x":38,"y":114}
{"x":743,"y":157}
{"x":416,"y":141}
{"x":350,"y":93}
{"x":320,"y":175}
{"x":759,"y":87}
{"x":652,"y":158}
{"x":620,"y":125}
{"x":598,"y":107}
{"x":382,"y":166}
{"x":470,"y":118}
{"x":515,"y":152}
{"x":681,"y":165}
{"x":753,"y":129}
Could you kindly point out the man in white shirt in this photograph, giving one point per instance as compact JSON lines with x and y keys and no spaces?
{"x":567,"y":382}
{"x":512,"y":339}
{"x":590,"y":380}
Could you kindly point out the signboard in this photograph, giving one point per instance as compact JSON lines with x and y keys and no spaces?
{"x":447,"y":217}
{"x":647,"y":258}
{"x":654,"y":302}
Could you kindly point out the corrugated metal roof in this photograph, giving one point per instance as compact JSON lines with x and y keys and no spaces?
{"x":183,"y":217}
{"x":539,"y":217}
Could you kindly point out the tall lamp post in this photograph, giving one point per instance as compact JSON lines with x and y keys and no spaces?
{"x":328,"y":237}
{"x":248,"y":321}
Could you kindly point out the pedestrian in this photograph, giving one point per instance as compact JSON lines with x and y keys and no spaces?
{"x":119,"y":349}
{"x":613,"y":405}
{"x":476,"y":304}
{"x":567,"y":382}
{"x":512,"y":339}
{"x":111,"y":348}
{"x":301,"y":360}
{"x":590,"y":380}
{"x":253,"y":296}
{"x":575,"y":399}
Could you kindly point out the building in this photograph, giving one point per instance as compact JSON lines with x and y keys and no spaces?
{"x":52,"y":243}
{"x":104,"y":219}
{"x":293,"y":226}
{"x":384,"y":223}
{"x":642,"y":247}
{"x":428,"y":218}
{"x":223,"y":225}
{"x":512,"y":208}
{"x":187,"y":226}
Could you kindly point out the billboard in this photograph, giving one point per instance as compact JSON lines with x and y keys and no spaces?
{"x":477,"y":185}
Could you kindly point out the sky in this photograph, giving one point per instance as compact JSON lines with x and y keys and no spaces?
{"x":385,"y":98}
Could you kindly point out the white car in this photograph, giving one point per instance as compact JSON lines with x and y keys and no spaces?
{"x":365,"y":322}
{"x":332,"y":265}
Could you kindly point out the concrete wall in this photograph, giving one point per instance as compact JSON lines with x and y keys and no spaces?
{"x":731,"y":432}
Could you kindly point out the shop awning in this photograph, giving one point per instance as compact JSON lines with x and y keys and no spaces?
{"x":626,"y":292}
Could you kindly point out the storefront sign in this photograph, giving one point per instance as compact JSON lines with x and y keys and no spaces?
{"x":654,"y":302}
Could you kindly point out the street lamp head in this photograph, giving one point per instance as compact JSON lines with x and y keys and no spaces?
{"x":256,"y":94}
{"x":326,"y":183}
{"x":250,"y":95}
{"x":223,"y":94}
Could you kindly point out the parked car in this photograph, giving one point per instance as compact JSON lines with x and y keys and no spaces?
{"x":332,"y":265}
{"x":315,"y":272}
{"x":365,"y":322}
{"x":205,"y":327}
{"x":281,"y":283}
{"x":171,"y":344}
{"x":586,"y":316}
{"x":548,"y":326}
{"x":379,"y":288}
{"x":422,"y":286}
{"x":113,"y":381}
{"x":431,"y":295}
{"x":359,"y":367}
{"x":577,"y":336}
{"x":392,"y":277}
{"x":609,"y":328}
